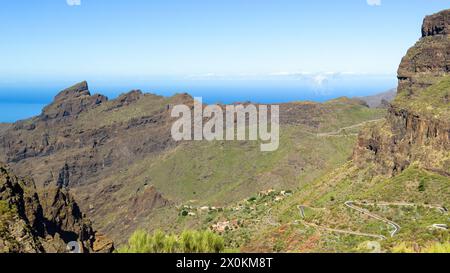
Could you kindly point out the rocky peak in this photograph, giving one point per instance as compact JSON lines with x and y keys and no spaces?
{"x":77,"y":90}
{"x":72,"y":101}
{"x":417,"y":127}
{"x":429,"y":58}
{"x":63,"y":177}
{"x":130,"y":97}
{"x":437,"y":24}
{"x":127,"y":99}
{"x":183,"y":98}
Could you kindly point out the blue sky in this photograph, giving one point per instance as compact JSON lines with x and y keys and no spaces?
{"x":223,"y":50}
{"x":47,"y":39}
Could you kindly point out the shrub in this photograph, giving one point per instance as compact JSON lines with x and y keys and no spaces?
{"x":430,"y":248}
{"x":437,"y":248}
{"x":402,"y":248}
{"x":184,"y":213}
{"x":7,"y":213}
{"x":139,"y":242}
{"x":421,"y":187}
{"x":186,"y":242}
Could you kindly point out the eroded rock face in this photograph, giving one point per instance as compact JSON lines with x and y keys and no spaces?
{"x":428,"y":60}
{"x":31,"y":226}
{"x":148,"y":200}
{"x":99,"y":150}
{"x":127,"y":99}
{"x":403,"y":139}
{"x":71,"y":102}
{"x":410,"y":134}
{"x":437,"y":24}
{"x":140,"y":205}
{"x":77,"y":146}
{"x":20,"y":216}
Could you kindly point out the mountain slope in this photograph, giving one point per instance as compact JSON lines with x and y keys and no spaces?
{"x":381,"y":100}
{"x":394,"y":194}
{"x":118,"y":157}
{"x":417,"y":128}
{"x":31,"y":226}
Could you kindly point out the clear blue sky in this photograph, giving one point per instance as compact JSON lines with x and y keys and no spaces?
{"x":49,"y":39}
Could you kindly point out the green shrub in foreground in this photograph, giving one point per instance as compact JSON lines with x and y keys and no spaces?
{"x":187,"y":242}
{"x":431,"y":248}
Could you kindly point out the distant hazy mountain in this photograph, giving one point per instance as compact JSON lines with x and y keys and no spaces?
{"x":380,"y":100}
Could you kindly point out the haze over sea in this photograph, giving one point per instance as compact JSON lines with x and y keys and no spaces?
{"x":23,"y":100}
{"x":275,"y":51}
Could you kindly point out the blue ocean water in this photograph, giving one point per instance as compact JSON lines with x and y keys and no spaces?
{"x":21,"y":102}
{"x":10,"y":112}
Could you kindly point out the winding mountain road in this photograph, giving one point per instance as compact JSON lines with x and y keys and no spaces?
{"x":440,"y":226}
{"x":349,"y":232}
{"x":381,"y":237}
{"x":443,"y":210}
{"x":339,"y":132}
{"x":351,"y":205}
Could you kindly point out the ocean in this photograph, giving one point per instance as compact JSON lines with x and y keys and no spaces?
{"x":17,"y":103}
{"x":10,"y":112}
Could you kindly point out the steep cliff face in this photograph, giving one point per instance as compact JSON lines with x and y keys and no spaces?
{"x":417,"y":128}
{"x":437,"y":24}
{"x":80,"y":139}
{"x":30,"y":226}
{"x":79,"y":136}
{"x":71,"y":102}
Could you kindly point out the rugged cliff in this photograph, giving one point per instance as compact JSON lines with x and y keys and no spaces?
{"x":399,"y":172}
{"x":119,"y":160}
{"x":81,"y":135}
{"x":417,"y":128}
{"x":31,"y":226}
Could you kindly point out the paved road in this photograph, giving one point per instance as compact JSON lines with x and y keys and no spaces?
{"x":396,"y":226}
{"x":440,"y":226}
{"x":302,"y":211}
{"x":381,"y":237}
{"x":338,"y":132}
{"x":302,"y":214}
{"x":443,"y":210}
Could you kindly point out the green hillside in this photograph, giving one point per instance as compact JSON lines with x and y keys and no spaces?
{"x":223,"y":173}
{"x":273,"y":222}
{"x":433,"y":101}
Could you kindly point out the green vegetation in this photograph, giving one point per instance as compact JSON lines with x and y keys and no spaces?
{"x":421,"y":187}
{"x":433,"y":101}
{"x":106,"y":114}
{"x":6,"y":215}
{"x":397,"y":199}
{"x":222,"y":173}
{"x":212,"y":173}
{"x":413,"y":248}
{"x":186,"y":242}
{"x":404,"y":187}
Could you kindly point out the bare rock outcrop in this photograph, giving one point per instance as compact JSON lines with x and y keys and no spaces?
{"x":30,"y":225}
{"x":417,"y":127}
{"x":82,"y":136}
{"x":437,"y":24}
{"x":71,"y":102}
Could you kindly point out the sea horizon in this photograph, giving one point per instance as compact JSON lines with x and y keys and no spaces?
{"x":18,"y":102}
